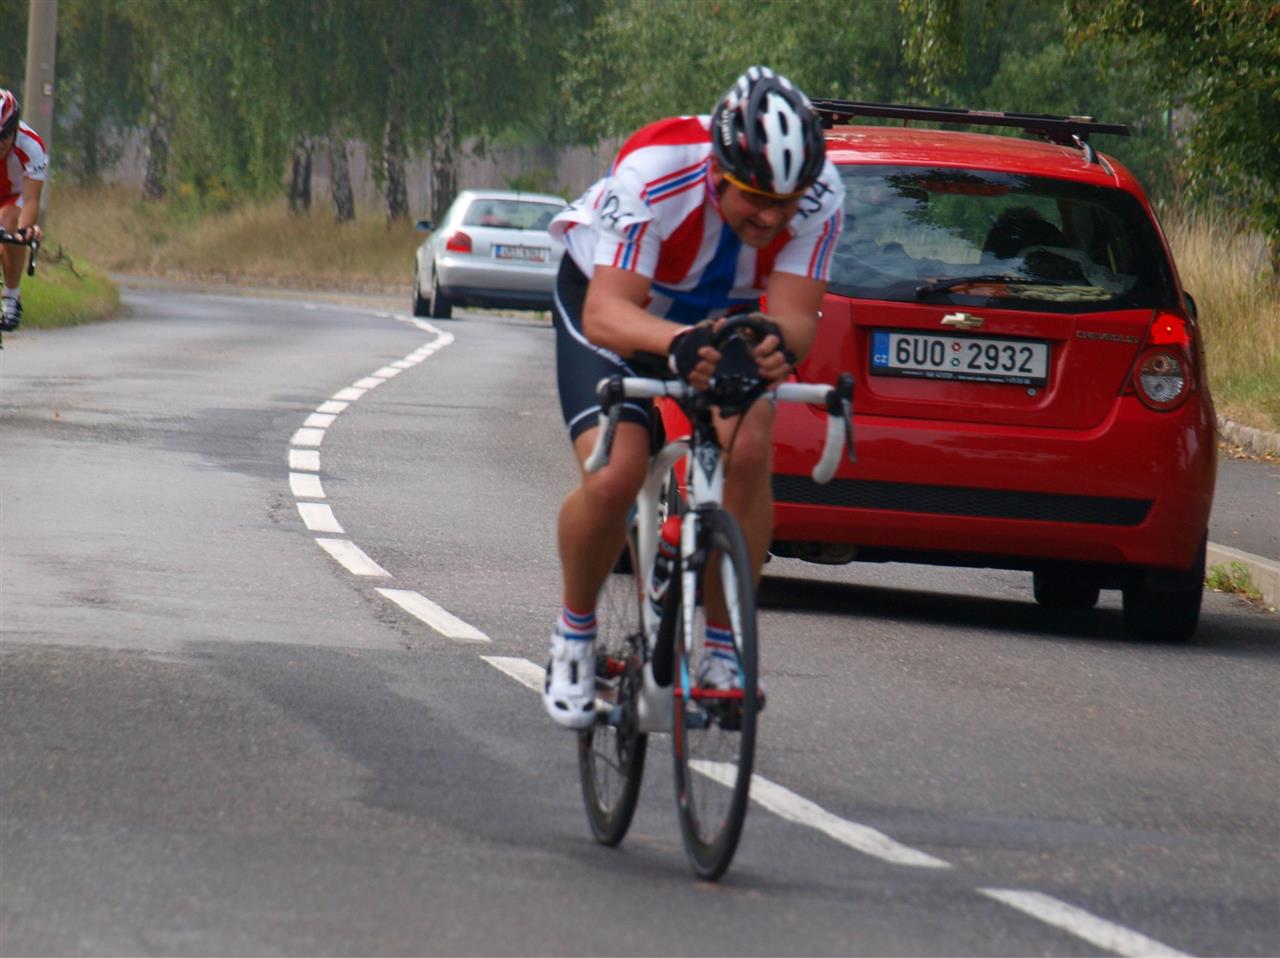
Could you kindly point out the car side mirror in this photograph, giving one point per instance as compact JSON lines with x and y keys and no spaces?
{"x":1192,"y":311}
{"x":424,"y":226}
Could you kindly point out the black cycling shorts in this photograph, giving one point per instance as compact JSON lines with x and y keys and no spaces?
{"x":580,"y":365}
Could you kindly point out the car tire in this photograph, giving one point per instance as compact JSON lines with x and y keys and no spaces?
{"x":1166,"y":611}
{"x":1063,"y":590}
{"x":440,"y":307}
{"x":421,"y":307}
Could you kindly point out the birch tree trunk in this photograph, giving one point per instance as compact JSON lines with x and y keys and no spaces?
{"x":300,"y":177}
{"x":444,"y":173}
{"x":344,"y":204}
{"x":153,"y":182}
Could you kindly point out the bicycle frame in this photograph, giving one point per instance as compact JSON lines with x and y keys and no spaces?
{"x":705,"y":479}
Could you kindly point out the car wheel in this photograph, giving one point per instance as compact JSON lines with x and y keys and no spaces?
{"x":1166,"y":610}
{"x":420,"y":305}
{"x":1062,"y":590}
{"x":441,"y":308}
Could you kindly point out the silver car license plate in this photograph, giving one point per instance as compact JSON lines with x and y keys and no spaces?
{"x":1023,"y":362}
{"x":528,"y":254}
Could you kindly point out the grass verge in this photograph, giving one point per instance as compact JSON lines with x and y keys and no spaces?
{"x":1238,"y":298}
{"x":1233,"y":578}
{"x":66,"y":293}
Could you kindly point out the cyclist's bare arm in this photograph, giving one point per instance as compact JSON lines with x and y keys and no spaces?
{"x":29,"y":215}
{"x":614,"y":316}
{"x":793,"y":302}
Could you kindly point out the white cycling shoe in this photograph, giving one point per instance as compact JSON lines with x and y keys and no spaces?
{"x":569,"y":690}
{"x":718,"y":672}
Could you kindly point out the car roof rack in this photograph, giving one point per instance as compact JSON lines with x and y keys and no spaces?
{"x":1066,"y":130}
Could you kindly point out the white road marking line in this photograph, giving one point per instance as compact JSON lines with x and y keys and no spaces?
{"x":307,"y":437}
{"x":443,"y":621}
{"x":319,"y":420}
{"x":311,"y":307}
{"x":351,"y":557}
{"x":332,"y":407}
{"x":318,"y":517}
{"x":787,"y":805}
{"x":369,"y":382}
{"x":306,"y":459}
{"x":406,"y":363}
{"x":304,"y":485}
{"x":522,"y":670}
{"x":1097,"y":931}
{"x":350,"y":394}
{"x":386,"y":372}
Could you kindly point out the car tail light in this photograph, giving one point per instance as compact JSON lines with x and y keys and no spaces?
{"x":458,"y":242}
{"x":1163,"y":376}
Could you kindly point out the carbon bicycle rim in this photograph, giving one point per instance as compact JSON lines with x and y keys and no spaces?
{"x":611,"y":752}
{"x":715,"y":731}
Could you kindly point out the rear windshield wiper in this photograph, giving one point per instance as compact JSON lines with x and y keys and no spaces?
{"x":946,"y":285}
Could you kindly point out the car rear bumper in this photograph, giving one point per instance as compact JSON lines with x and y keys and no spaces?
{"x":470,"y":273}
{"x":1135,"y":491}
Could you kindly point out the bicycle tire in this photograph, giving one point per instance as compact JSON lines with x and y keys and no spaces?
{"x":611,"y":752}
{"x":713,"y":740}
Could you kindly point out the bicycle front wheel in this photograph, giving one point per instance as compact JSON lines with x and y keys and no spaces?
{"x":611,"y":752}
{"x":714,"y":731}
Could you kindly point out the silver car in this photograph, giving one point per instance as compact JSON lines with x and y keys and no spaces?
{"x":491,"y":249}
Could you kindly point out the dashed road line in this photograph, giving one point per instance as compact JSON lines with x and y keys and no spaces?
{"x":319,"y":517}
{"x":352,"y":558}
{"x":305,"y":485}
{"x":1082,"y":924}
{"x":443,"y":621}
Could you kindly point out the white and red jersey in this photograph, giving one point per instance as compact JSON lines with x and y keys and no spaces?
{"x":657,"y":214}
{"x":26,"y":161}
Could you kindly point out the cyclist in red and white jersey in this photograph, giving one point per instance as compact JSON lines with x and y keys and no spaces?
{"x":24,"y":164}
{"x":699,"y":216}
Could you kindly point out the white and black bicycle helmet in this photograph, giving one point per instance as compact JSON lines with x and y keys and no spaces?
{"x":766,"y":136}
{"x":10,"y":113}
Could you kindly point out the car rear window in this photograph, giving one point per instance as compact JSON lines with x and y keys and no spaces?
{"x":995,"y":239}
{"x":511,"y":214}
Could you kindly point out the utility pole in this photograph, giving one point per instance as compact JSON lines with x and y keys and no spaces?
{"x":37,"y":90}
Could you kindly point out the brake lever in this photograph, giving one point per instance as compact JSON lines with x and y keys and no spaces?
{"x":840,"y":403}
{"x":611,"y":395}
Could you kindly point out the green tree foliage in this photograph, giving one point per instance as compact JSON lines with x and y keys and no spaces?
{"x":13,"y":43}
{"x":1221,"y":59}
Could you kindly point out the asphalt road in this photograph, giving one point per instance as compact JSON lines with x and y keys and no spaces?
{"x":215,"y":737}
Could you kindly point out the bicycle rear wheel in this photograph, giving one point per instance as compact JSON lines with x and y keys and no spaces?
{"x":611,"y":752}
{"x":715,"y":731}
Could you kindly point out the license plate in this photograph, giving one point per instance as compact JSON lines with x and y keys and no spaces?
{"x":529,"y":254}
{"x":1023,"y":362}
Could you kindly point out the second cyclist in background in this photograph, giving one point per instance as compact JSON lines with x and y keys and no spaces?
{"x":698,"y":217}
{"x":23,"y":168}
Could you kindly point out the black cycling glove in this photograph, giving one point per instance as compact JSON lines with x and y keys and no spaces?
{"x":682,"y":351}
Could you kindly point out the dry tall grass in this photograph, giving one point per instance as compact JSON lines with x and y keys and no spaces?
{"x":255,"y":243}
{"x":1226,"y":270}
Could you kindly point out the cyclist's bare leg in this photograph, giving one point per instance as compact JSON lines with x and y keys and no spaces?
{"x":593,"y":517}
{"x":748,"y":491}
{"x":15,"y":257}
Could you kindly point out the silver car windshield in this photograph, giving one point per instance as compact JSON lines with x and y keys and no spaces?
{"x":510,"y":214}
{"x":966,"y":236}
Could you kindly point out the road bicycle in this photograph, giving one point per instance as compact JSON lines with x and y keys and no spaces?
{"x":651,"y":621}
{"x":12,"y":240}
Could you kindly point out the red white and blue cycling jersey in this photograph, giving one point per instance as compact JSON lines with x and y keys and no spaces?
{"x":657,"y":214}
{"x":26,"y":161}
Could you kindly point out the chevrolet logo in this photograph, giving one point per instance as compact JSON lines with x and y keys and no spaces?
{"x":962,"y":321}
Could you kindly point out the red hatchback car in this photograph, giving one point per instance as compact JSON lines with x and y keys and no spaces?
{"x":1030,"y":376}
